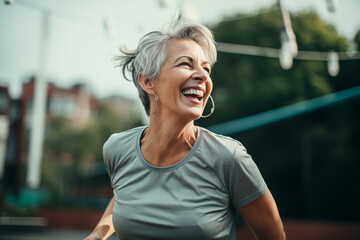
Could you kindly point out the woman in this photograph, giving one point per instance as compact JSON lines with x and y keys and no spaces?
{"x":172,"y":179}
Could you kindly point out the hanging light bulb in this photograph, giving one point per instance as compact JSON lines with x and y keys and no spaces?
{"x":331,"y":5}
{"x":289,"y":47}
{"x":287,"y":31}
{"x":189,"y":11}
{"x":164,"y":3}
{"x":110,"y":27}
{"x":286,"y":60}
{"x":293,"y":45}
{"x":333,"y":64}
{"x":8,"y":2}
{"x":286,"y":50}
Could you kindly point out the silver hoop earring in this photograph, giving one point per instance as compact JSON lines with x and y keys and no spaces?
{"x":212,"y":108}
{"x":156,"y":100}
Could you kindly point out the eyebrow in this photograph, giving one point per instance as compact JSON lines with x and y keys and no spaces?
{"x":190,"y":59}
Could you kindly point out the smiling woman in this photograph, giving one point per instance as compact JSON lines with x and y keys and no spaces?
{"x":172,"y":179}
{"x":151,"y":53}
{"x":183,"y":85}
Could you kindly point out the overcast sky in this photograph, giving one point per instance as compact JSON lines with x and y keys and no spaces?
{"x":79,"y":49}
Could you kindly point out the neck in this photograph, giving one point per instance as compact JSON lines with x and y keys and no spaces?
{"x":167,"y":140}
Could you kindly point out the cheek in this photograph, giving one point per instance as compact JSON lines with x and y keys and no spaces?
{"x":171,"y":86}
{"x":167,"y":83}
{"x":209,"y":86}
{"x":176,"y":80}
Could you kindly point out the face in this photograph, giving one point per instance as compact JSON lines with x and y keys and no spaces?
{"x":184,"y":83}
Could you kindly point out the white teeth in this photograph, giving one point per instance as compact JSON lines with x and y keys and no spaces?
{"x":196,"y":92}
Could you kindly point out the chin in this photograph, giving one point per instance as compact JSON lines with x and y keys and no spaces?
{"x":189,"y":113}
{"x":194,"y":115}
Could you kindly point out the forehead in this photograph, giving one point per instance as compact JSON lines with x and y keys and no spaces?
{"x":184,"y":47}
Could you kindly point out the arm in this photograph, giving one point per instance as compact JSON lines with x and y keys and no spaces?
{"x":263,"y":218}
{"x":105,"y":227}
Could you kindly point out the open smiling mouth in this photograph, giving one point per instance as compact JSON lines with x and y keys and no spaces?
{"x":194,"y":94}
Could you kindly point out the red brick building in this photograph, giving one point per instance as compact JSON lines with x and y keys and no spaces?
{"x":76,"y":104}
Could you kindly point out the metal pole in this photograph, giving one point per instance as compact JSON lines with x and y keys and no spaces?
{"x":4,"y":131}
{"x":39,"y":111}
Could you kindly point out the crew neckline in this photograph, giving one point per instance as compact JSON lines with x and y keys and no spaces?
{"x":173,"y":166}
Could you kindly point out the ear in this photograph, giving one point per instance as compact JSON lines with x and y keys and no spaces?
{"x":145,"y":83}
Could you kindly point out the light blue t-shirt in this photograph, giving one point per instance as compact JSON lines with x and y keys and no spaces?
{"x":196,"y":198}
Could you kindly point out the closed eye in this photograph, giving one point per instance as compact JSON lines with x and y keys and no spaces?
{"x":185,"y":64}
{"x":207,"y":69}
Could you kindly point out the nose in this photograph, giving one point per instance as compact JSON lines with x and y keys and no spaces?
{"x":200,"y":74}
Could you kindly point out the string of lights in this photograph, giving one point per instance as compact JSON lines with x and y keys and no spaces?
{"x":274,"y":52}
{"x":287,"y":52}
{"x":228,"y":19}
{"x":56,"y":13}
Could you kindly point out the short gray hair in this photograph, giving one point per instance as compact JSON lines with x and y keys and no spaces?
{"x":150,"y":54}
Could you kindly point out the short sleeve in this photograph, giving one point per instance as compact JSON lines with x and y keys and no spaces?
{"x":107,"y":163}
{"x":108,"y":158}
{"x":245,"y":181}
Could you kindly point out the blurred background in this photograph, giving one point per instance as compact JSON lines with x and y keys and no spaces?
{"x":286,"y":84}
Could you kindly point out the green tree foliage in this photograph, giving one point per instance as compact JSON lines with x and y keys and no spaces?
{"x":73,"y":160}
{"x":260,"y":82}
{"x":309,"y":162}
